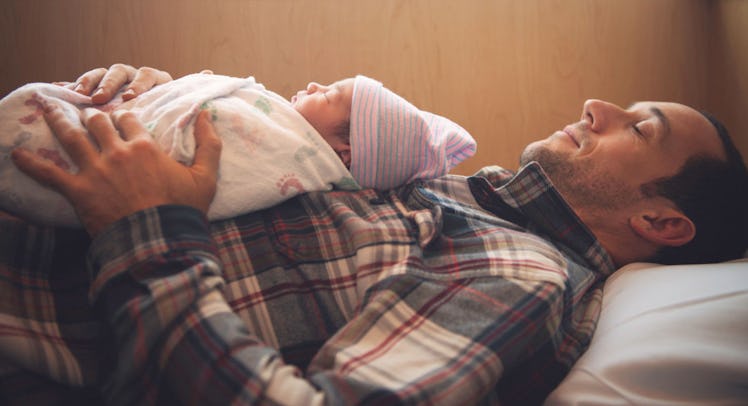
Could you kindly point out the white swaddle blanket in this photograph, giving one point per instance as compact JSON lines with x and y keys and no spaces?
{"x":270,"y":152}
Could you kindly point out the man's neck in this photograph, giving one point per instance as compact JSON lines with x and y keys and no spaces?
{"x":617,"y":237}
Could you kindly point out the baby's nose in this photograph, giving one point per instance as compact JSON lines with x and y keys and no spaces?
{"x":312,"y":87}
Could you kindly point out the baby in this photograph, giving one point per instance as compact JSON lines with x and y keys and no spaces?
{"x":352,"y":134}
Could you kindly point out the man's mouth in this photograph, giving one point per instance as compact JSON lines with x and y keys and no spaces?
{"x":568,"y":130}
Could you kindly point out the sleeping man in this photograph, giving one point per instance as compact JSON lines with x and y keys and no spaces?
{"x":456,"y":290}
{"x":325,"y":137}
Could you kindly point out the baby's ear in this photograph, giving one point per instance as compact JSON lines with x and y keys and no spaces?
{"x":345,"y":156}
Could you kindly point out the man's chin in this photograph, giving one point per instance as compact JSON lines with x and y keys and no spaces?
{"x":539,"y":152}
{"x":527,"y":154}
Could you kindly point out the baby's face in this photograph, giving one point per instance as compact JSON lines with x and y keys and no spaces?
{"x":326,"y":108}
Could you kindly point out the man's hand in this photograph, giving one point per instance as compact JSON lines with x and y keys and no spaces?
{"x":124,"y":174}
{"x":102,"y":83}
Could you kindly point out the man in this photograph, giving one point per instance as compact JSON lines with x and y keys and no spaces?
{"x":457,"y":290}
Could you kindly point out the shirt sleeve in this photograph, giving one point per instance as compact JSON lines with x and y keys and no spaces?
{"x":158,"y":283}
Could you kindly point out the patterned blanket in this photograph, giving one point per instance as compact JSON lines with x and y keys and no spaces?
{"x":270,"y":152}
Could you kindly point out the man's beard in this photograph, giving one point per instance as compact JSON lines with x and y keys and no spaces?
{"x":584,"y":185}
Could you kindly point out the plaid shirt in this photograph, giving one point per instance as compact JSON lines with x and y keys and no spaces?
{"x":449,"y":291}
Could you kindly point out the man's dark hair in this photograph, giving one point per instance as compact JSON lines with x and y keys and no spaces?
{"x":713,"y":193}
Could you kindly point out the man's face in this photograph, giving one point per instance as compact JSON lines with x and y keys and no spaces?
{"x":325,"y":107}
{"x":601,"y":161}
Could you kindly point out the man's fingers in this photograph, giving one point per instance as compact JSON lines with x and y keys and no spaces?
{"x":67,"y":85}
{"x":114,"y":78}
{"x":42,"y":170}
{"x":207,"y":145}
{"x":88,"y":81}
{"x":144,"y":80}
{"x":101,"y":127}
{"x":72,"y":136}
{"x":130,"y":127}
{"x":103,"y":84}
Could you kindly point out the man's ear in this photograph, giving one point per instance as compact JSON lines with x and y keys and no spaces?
{"x":664,"y":227}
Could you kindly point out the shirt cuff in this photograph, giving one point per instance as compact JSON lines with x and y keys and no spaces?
{"x":157,"y":231}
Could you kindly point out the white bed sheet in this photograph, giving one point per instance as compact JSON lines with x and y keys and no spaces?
{"x":667,"y":335}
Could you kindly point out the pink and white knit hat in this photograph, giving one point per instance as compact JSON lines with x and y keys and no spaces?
{"x":393,"y":142}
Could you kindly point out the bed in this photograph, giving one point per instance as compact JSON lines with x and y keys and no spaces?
{"x":667,"y":335}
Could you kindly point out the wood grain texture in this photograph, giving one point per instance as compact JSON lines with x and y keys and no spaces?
{"x":508,"y":71}
{"x":728,"y":68}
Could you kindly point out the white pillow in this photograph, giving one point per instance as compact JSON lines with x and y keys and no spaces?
{"x":667,"y":335}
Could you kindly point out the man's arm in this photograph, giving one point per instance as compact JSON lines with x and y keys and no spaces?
{"x":159,"y":283}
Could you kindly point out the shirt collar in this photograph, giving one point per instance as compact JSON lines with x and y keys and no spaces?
{"x":530,"y":200}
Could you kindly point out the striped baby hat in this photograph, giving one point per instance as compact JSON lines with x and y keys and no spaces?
{"x":393,"y":142}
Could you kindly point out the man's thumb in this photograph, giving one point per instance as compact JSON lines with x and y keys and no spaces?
{"x":207,"y":146}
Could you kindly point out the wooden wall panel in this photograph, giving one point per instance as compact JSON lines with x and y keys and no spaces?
{"x":728,"y":68}
{"x":509,"y":71}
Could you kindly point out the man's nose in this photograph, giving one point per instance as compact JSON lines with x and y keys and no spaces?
{"x":600,"y":114}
